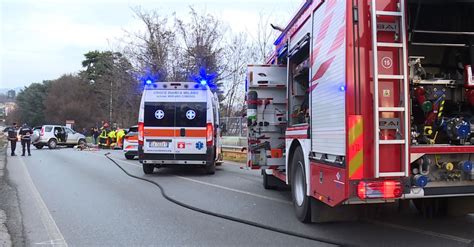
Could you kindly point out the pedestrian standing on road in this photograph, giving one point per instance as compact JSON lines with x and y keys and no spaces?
{"x":12,"y":137}
{"x":25,"y":133}
{"x":95,"y":135}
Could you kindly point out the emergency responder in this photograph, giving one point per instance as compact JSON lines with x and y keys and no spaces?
{"x":112,"y":137}
{"x":103,"y":139}
{"x":120,"y":136}
{"x":12,"y":137}
{"x":25,"y":134}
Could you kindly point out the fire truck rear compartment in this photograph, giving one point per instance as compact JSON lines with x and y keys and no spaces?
{"x":441,"y":52}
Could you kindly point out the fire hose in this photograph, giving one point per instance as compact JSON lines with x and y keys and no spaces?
{"x":226,"y":217}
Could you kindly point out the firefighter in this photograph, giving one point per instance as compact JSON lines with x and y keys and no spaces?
{"x":120,"y":135}
{"x":12,"y":137}
{"x":103,"y":138}
{"x":112,"y":137}
{"x":25,"y":133}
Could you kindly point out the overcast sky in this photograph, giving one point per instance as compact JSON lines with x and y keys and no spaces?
{"x":43,"y":39}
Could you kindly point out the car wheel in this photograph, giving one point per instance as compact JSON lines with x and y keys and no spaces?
{"x":129,"y":156}
{"x":210,"y":168}
{"x":148,"y":168}
{"x":52,"y":144}
{"x":301,"y":201}
{"x":38,"y":146}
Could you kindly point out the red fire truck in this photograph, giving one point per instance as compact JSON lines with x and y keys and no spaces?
{"x":368,"y":101}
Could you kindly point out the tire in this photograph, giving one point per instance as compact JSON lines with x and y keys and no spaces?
{"x":431,"y":207}
{"x":267,"y":181}
{"x":52,"y":144}
{"x":301,"y":201}
{"x":148,"y":168}
{"x":129,"y":156}
{"x":39,"y":146}
{"x":210,"y":168}
{"x":81,"y":142}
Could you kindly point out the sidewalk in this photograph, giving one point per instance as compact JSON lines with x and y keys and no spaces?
{"x":5,"y":239}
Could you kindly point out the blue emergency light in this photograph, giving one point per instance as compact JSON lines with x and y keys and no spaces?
{"x":203,"y":78}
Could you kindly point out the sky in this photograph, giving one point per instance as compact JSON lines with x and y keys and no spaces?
{"x":44,"y":39}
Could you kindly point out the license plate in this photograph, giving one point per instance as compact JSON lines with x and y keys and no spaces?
{"x":158,"y":144}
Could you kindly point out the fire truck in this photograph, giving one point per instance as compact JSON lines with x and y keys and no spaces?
{"x":366,"y":102}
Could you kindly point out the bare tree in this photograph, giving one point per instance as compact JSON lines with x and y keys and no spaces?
{"x":263,"y":38}
{"x":150,"y":50}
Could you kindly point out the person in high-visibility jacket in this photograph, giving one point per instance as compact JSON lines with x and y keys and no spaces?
{"x":120,"y":136}
{"x":103,"y":138}
{"x":112,"y":138}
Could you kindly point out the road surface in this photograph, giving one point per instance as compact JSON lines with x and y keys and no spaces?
{"x":79,"y":198}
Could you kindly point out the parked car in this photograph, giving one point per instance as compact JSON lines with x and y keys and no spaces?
{"x":130,"y":143}
{"x":54,"y":135}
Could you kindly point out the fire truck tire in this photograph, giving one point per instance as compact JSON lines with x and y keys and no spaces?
{"x":148,"y":168}
{"x":301,"y":201}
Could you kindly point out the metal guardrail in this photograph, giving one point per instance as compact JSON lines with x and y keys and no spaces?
{"x":234,"y":149}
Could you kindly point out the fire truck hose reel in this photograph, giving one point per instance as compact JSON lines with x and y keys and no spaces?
{"x":225,"y":217}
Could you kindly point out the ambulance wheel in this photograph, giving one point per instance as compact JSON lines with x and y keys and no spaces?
{"x":210,"y":168}
{"x":301,"y":201}
{"x":129,"y":156}
{"x":268,"y":181}
{"x":148,"y":168}
{"x":431,"y":207}
{"x":52,"y":144}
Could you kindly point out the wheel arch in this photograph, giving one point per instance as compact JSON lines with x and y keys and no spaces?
{"x":304,"y":144}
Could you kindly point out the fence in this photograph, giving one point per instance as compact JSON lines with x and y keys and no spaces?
{"x":233,"y":126}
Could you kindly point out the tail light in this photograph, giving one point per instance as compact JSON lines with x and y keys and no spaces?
{"x":141,"y":133}
{"x":209,"y":134}
{"x":42,"y":131}
{"x":387,"y":189}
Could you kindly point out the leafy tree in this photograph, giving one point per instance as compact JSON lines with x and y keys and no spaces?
{"x":30,"y":103}
{"x":71,"y":98}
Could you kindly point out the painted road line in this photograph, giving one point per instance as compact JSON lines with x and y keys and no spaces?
{"x":216,"y":185}
{"x":235,"y":190}
{"x":54,"y":234}
{"x":421,"y":231}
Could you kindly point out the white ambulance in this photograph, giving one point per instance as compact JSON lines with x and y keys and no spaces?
{"x":178,"y":124}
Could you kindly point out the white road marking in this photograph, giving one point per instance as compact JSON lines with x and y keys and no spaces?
{"x":218,"y":186}
{"x":236,"y":190}
{"x":54,"y":234}
{"x":425,"y":232}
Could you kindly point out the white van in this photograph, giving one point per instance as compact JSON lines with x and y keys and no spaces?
{"x":178,"y":124}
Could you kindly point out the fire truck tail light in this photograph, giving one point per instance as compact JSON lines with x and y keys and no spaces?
{"x":141,"y":133}
{"x":209,"y":134}
{"x":379,"y":189}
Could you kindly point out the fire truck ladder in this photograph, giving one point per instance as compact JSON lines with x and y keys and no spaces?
{"x":403,"y":110}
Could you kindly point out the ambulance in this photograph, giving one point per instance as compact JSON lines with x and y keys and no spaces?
{"x":178,"y":125}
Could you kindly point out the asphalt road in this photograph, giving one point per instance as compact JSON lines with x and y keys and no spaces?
{"x":79,"y":198}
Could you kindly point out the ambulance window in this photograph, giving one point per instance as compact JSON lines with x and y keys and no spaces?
{"x":159,"y":114}
{"x":191,"y":114}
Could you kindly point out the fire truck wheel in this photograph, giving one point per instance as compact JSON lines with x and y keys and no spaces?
{"x":148,"y":168}
{"x":301,"y":202}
